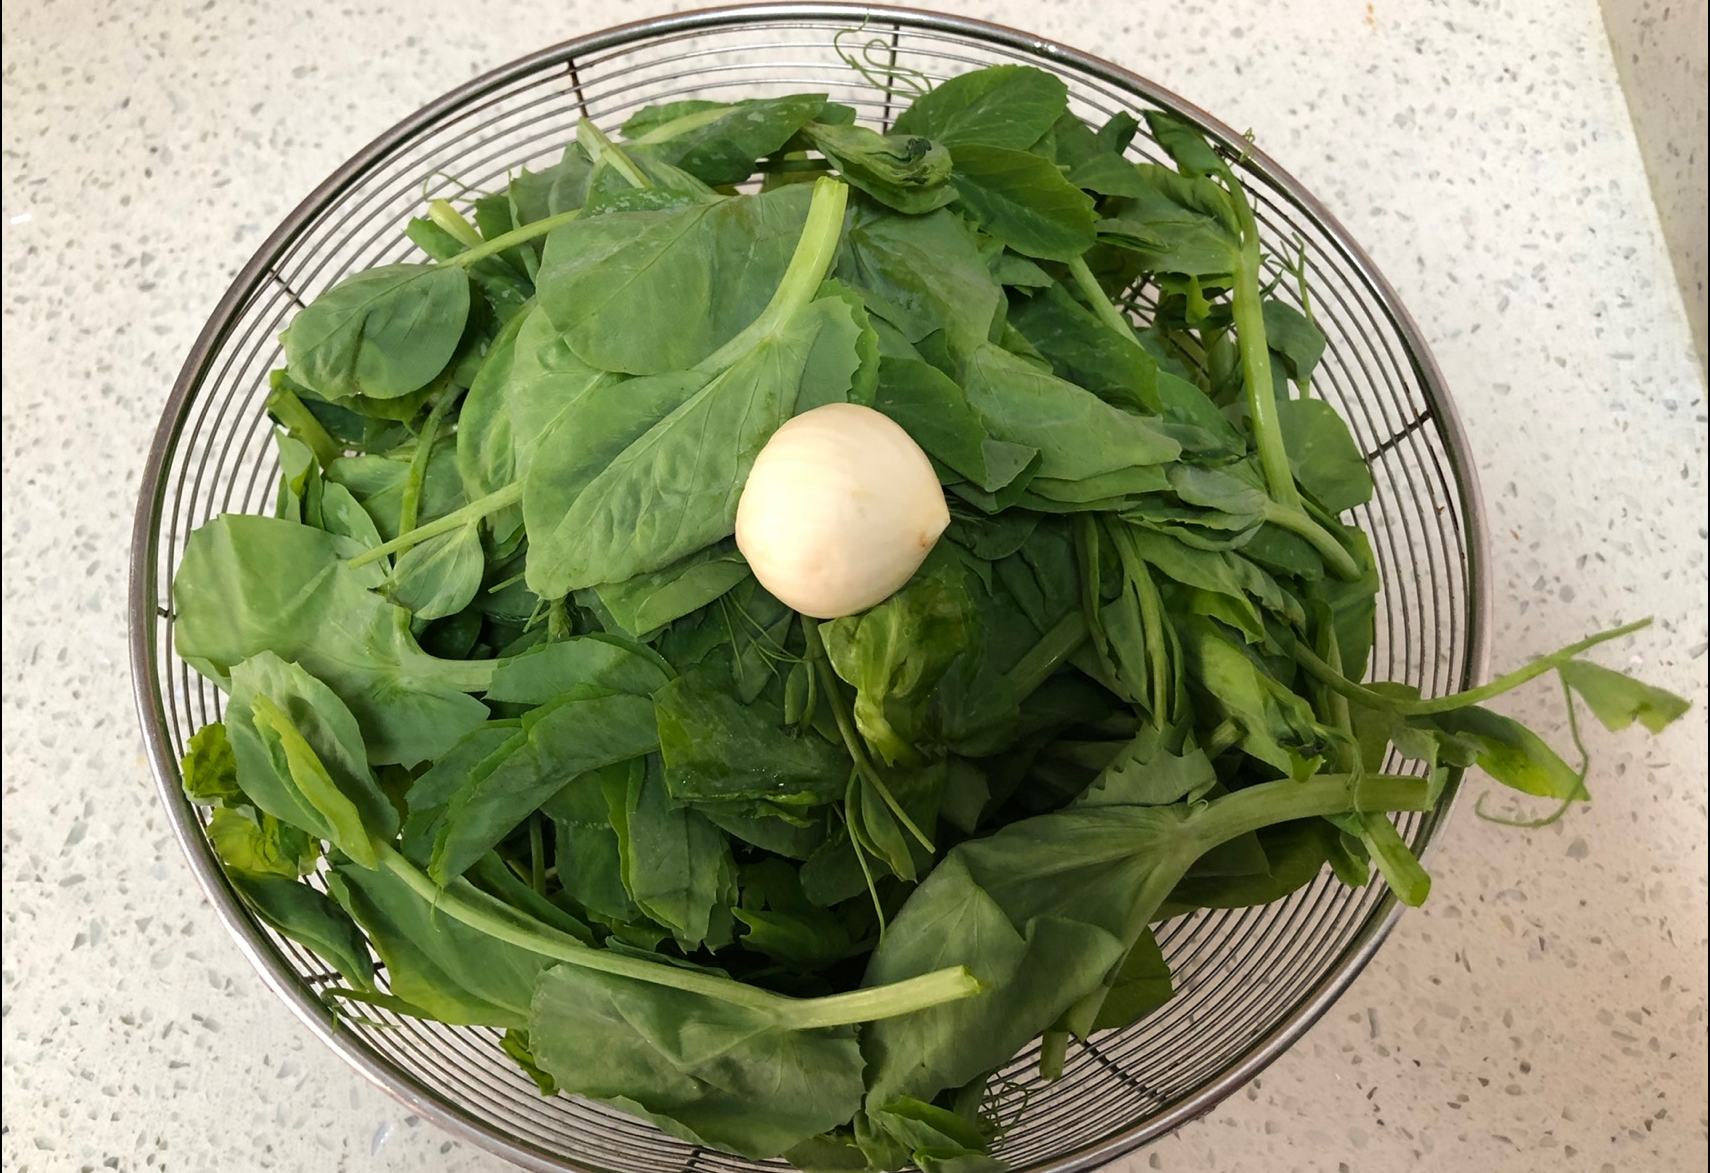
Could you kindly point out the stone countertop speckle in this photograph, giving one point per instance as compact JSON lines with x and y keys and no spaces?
{"x":1545,"y":1011}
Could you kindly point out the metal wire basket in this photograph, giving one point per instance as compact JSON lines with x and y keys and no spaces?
{"x":1250,"y":982}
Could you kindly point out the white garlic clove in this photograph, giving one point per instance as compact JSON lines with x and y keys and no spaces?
{"x":840,"y":510}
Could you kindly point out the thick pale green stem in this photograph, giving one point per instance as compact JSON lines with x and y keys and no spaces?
{"x":1226,"y":734}
{"x":602,"y":150}
{"x":284,"y":406}
{"x":511,"y":239}
{"x":1268,"y":803}
{"x":814,"y":253}
{"x":1151,"y":619}
{"x":1101,"y":305}
{"x":1455,"y":700}
{"x":410,"y":499}
{"x":1297,"y":521}
{"x":1054,"y":1052}
{"x":1410,"y":882}
{"x":866,"y":1005}
{"x":1401,"y":869}
{"x":474,"y":511}
{"x":1249,"y":312}
{"x":1049,"y":654}
{"x":666,"y":131}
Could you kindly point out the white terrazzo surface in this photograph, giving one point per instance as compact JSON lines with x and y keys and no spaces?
{"x":1547,"y":1011}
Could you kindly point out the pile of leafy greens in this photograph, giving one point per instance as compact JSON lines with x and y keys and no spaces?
{"x":501,"y":684}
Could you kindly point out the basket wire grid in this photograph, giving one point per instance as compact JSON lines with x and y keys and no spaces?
{"x":1249,"y":981}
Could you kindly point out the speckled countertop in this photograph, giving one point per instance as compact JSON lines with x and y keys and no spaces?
{"x":1546,"y":1011}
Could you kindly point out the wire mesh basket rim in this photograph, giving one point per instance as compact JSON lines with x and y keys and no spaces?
{"x":143,"y":588}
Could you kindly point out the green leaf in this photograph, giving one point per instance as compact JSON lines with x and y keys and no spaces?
{"x":674,"y":489}
{"x":1293,"y":338}
{"x":1091,"y":161}
{"x":1147,"y":774}
{"x":1012,"y":269}
{"x":582,"y":730}
{"x":1205,"y":570}
{"x":208,"y":767}
{"x":706,"y":1070}
{"x":486,"y":444}
{"x":864,"y":382}
{"x":1084,"y":350}
{"x":1617,"y":699}
{"x":1001,"y":106}
{"x":936,"y":1139}
{"x":676,"y":865}
{"x":563,"y":187}
{"x":250,"y":585}
{"x":1176,"y":224}
{"x":1513,"y":754}
{"x":896,"y":653}
{"x":1077,"y":434}
{"x":1024,"y":201}
{"x":258,"y":844}
{"x":906,"y":172}
{"x":1029,"y":977}
{"x":1183,"y":143}
{"x":783,"y":923}
{"x":581,"y":443}
{"x":377,"y":483}
{"x":599,"y":661}
{"x":589,"y":863}
{"x":1277,"y":725}
{"x":603,"y":279}
{"x":1321,"y":450}
{"x":310,"y":919}
{"x":1140,"y":985}
{"x":650,"y":118}
{"x":937,"y":415}
{"x":718,"y":750}
{"x":830,"y":1153}
{"x":300,"y":756}
{"x":440,"y":576}
{"x":440,"y":966}
{"x":380,"y":333}
{"x":647,"y":602}
{"x":920,"y":274}
{"x":1296,"y":853}
{"x":771,"y":833}
{"x":515,"y":1044}
{"x":720,"y":144}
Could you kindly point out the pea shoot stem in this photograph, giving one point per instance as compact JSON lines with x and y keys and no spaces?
{"x":1297,"y":521}
{"x":863,"y":1005}
{"x":1101,"y":304}
{"x":1045,"y":657}
{"x":474,"y":511}
{"x":511,"y":239}
{"x":1367,"y":698}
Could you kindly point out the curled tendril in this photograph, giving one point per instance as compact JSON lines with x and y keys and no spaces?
{"x":879,"y":56}
{"x":463,"y":189}
{"x":988,"y":1110}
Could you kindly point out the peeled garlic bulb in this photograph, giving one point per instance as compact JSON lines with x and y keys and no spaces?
{"x":840,"y":509}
